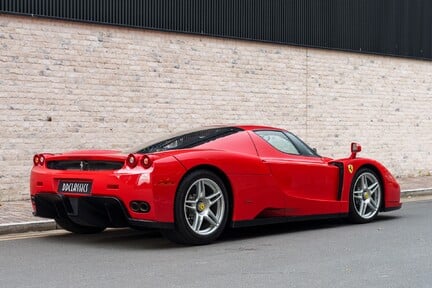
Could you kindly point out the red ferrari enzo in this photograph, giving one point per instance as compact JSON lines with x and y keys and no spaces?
{"x":192,"y":185}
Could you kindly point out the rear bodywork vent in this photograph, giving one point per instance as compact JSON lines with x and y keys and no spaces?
{"x":85,"y":165}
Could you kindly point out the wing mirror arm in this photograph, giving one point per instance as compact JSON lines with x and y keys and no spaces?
{"x":355,"y":148}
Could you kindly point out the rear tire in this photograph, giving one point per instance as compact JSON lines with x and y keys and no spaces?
{"x":365,"y":196}
{"x":201,"y":209}
{"x":71,"y":226}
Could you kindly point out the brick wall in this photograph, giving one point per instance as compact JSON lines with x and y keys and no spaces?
{"x":66,"y":85}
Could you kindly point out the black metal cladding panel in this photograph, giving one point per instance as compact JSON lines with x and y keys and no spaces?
{"x":391,"y":27}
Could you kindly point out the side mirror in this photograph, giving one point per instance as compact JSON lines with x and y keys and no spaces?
{"x":355,"y":148}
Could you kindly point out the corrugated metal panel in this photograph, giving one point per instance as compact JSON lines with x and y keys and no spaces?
{"x":391,"y":27}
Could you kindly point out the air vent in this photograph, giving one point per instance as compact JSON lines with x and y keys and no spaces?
{"x":85,"y":165}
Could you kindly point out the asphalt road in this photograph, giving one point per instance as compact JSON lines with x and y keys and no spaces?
{"x":395,"y":251}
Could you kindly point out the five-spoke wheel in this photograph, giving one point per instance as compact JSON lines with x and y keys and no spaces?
{"x":201,"y":209}
{"x":204,"y":206}
{"x":365,"y":197}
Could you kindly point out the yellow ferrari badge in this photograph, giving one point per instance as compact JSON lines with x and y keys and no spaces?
{"x":201,"y":207}
{"x":350,"y":168}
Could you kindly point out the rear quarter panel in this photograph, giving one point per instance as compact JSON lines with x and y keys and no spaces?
{"x":252,"y":186}
{"x":253,"y":189}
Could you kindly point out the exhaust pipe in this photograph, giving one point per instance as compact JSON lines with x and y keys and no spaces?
{"x":144,"y":207}
{"x":134,"y":206}
{"x":139,"y":206}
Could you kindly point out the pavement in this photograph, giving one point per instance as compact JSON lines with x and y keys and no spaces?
{"x":17,"y":217}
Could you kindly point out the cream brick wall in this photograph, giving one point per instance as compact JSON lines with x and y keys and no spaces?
{"x":66,"y":85}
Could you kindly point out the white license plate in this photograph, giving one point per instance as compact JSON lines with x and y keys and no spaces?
{"x":83,"y":187}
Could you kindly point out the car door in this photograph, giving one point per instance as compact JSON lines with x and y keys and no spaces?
{"x":309,"y":183}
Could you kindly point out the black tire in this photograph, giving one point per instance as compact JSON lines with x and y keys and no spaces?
{"x":71,"y":226}
{"x":199,"y":218}
{"x":365,"y":196}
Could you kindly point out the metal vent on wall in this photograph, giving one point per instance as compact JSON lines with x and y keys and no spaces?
{"x":388,"y":27}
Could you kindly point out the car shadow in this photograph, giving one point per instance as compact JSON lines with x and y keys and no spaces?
{"x":294,"y":227}
{"x":130,"y":239}
{"x":123,"y":238}
{"x":281,"y":228}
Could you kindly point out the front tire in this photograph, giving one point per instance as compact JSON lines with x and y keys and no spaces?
{"x":73,"y":227}
{"x":200,"y":209}
{"x":365,"y":196}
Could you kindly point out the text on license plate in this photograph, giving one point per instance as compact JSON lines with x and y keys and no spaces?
{"x":74,"y":186}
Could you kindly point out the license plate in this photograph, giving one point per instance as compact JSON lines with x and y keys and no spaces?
{"x":83,"y":187}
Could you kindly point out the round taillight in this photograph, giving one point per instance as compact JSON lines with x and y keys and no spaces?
{"x":131,"y":161}
{"x":41,"y":159}
{"x":36,"y":160}
{"x":146,"y":161}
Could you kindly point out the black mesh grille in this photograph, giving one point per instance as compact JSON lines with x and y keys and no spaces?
{"x":390,"y":27}
{"x":84,"y":165}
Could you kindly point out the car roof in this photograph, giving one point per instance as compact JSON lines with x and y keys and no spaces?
{"x":246,"y":127}
{"x":256,"y":127}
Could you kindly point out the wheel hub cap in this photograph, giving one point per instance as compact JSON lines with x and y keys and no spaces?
{"x":366,"y":195}
{"x":201,"y":206}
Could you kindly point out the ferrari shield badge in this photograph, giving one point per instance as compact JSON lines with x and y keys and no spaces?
{"x":350,"y":168}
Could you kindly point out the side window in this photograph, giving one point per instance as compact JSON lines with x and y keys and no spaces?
{"x":301,"y":146}
{"x":279,"y":141}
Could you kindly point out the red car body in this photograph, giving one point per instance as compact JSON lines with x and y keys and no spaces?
{"x":265,"y":185}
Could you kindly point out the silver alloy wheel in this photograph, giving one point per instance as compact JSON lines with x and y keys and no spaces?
{"x":204,"y":206}
{"x":367,"y":195}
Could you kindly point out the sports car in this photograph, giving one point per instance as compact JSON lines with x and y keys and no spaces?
{"x":195,"y":184}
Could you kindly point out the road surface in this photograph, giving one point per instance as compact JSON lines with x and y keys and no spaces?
{"x":394,"y":251}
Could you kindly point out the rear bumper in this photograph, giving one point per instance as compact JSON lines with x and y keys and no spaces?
{"x":90,"y":211}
